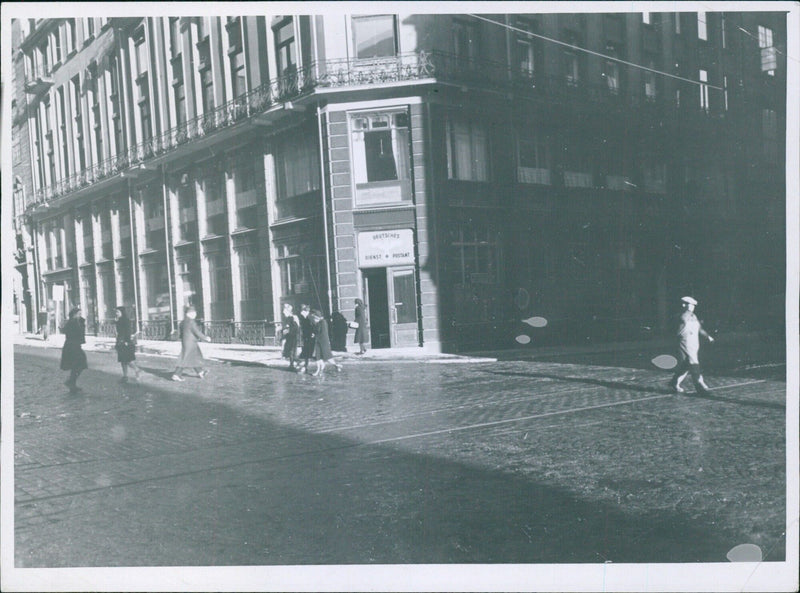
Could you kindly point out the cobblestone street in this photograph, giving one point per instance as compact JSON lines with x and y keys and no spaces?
{"x":516,"y":461}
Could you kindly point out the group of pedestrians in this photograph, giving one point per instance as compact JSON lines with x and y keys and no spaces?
{"x":306,"y":337}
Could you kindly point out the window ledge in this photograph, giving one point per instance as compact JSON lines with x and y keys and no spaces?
{"x":211,"y":238}
{"x":149,"y":251}
{"x":242,"y":231}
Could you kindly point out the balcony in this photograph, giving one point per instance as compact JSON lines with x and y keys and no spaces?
{"x":38,"y":84}
{"x":283,"y":95}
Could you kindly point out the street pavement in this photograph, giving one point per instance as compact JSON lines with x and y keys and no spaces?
{"x":527,"y":456}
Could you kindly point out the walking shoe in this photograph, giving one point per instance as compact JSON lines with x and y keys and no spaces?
{"x":202,"y":374}
{"x":676,"y":388}
{"x":177,"y":378}
{"x":338,"y":367}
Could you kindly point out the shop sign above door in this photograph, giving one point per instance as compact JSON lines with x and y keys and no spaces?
{"x":379,"y":249}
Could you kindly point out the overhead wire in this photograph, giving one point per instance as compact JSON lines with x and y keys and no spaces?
{"x":589,"y":51}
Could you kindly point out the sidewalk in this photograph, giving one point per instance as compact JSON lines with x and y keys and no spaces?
{"x":247,"y":354}
{"x":271,"y":355}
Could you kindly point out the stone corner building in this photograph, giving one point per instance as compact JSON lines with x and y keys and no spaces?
{"x":457,"y":173}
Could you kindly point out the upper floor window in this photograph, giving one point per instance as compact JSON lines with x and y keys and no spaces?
{"x":285,"y":47}
{"x":703,"y":76}
{"x":646,"y":18}
{"x":611,"y":72}
{"x":57,"y":56}
{"x":467,"y":150}
{"x":297,"y":166}
{"x":571,"y":67}
{"x":174,"y":36}
{"x":236,"y":56}
{"x":140,"y":49}
{"x":769,"y":61}
{"x":702,"y":27}
{"x":381,"y":157}
{"x":533,"y":157}
{"x":677,"y":23}
{"x":465,"y":41}
{"x":89,"y":28}
{"x":769,"y":128}
{"x":525,"y":56}
{"x":374,"y":36}
{"x":650,"y":81}
{"x":72,"y":37}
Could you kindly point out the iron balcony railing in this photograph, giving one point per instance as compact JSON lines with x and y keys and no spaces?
{"x":408,"y":67}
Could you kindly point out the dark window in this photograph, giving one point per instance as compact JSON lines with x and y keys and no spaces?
{"x":207,"y":84}
{"x":465,"y":42}
{"x":144,"y":108}
{"x":238,"y":74}
{"x":285,"y":50}
{"x":374,"y":36}
{"x":64,"y":120}
{"x":174,"y":37}
{"x":78,"y":128}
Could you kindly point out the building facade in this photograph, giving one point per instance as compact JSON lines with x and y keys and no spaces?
{"x":459,"y":173}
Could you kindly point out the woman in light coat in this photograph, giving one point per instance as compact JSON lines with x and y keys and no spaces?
{"x":689,"y":332}
{"x":191,"y":356}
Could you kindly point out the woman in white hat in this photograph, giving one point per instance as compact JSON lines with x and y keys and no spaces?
{"x":689,"y":334}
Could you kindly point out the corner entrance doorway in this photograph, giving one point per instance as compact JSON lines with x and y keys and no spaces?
{"x":392,"y":305}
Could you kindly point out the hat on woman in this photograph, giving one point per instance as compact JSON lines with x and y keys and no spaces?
{"x":74,"y":311}
{"x":689,"y":300}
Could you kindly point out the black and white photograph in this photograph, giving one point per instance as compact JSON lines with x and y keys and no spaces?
{"x":400,"y":296}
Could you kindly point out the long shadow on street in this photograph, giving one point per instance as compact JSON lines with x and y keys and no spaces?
{"x":196,"y":482}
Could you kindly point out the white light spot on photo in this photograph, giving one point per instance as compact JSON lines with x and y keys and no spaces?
{"x":745,"y":553}
{"x":523,"y":339}
{"x":118,"y":433}
{"x":535,"y":321}
{"x":665,"y":361}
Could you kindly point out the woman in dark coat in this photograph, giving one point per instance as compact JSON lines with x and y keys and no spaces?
{"x":322,"y":349}
{"x":125,"y":345}
{"x":73,"y":358}
{"x":290,"y":328}
{"x":308,"y":335}
{"x":361,"y":329}
{"x":191,"y":356}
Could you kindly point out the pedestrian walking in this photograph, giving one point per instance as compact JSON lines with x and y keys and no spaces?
{"x":73,"y":358}
{"x":125,"y":344}
{"x":307,"y":334}
{"x":338,"y":327}
{"x":290,"y":330}
{"x":322,"y":349}
{"x":191,"y":356}
{"x":44,"y":323}
{"x":360,"y":324}
{"x":689,"y":332}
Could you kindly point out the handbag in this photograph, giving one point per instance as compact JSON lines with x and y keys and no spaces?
{"x":353,"y":325}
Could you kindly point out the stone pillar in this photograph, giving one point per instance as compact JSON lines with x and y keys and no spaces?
{"x":139,"y":228}
{"x":97,"y":242}
{"x":230,"y":202}
{"x":80,"y":256}
{"x":271,"y":191}
{"x":116,"y":247}
{"x":202,"y":231}
{"x":174,"y":218}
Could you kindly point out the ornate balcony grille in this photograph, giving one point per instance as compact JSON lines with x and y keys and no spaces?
{"x":407,"y":67}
